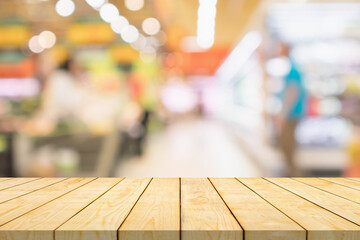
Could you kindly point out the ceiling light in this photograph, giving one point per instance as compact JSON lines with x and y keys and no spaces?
{"x":205,"y":36}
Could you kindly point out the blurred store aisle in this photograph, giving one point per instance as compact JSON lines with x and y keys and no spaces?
{"x":191,"y":148}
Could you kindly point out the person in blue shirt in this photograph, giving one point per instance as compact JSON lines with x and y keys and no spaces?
{"x":294,"y":101}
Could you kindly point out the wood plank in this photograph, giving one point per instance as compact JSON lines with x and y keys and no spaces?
{"x":355,"y":179}
{"x":345,"y":182}
{"x":157,"y":213}
{"x":204,"y":214}
{"x":102,"y":219}
{"x":259,"y":219}
{"x":339,"y":190}
{"x":42,"y":222}
{"x":21,"y":205}
{"x":15,"y":182}
{"x":319,"y":223}
{"x":343,"y":207}
{"x":26,"y":188}
{"x":4,"y":179}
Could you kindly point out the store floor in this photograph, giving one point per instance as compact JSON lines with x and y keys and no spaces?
{"x":191,"y":148}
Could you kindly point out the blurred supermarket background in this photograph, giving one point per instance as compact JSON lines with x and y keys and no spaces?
{"x":179,"y":88}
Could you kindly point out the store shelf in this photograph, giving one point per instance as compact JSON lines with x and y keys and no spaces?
{"x":322,"y":161}
{"x":186,"y":208}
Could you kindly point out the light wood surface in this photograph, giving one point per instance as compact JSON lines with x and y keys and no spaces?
{"x":345,"y":182}
{"x":179,"y":209}
{"x":318,"y":222}
{"x":43,"y":221}
{"x":204,"y":214}
{"x":339,"y":190}
{"x":156,"y":216}
{"x":22,"y":189}
{"x":21,"y":205}
{"x":102,"y":219}
{"x":8,"y":183}
{"x":4,"y":179}
{"x":259,"y":219}
{"x":338,"y":205}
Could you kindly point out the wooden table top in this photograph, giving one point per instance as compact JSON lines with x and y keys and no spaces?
{"x":174,"y":209}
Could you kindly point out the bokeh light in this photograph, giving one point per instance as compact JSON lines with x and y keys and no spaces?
{"x":65,"y":7}
{"x":140,"y":43}
{"x":119,"y":24}
{"x":109,"y":12}
{"x":96,"y":3}
{"x":34,"y":45}
{"x":151,"y":26}
{"x":130,"y":34}
{"x":47,"y":39}
{"x":134,"y":5}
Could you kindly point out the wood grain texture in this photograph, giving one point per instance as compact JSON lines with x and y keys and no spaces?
{"x":319,"y":223}
{"x":42,"y":222}
{"x":339,"y":190}
{"x":12,"y":182}
{"x":102,"y":219}
{"x":174,"y":209}
{"x":338,"y":205}
{"x":4,"y":179}
{"x":21,"y":205}
{"x":26,"y":188}
{"x":204,"y":215}
{"x":345,"y":182}
{"x":259,"y":219}
{"x":156,"y":216}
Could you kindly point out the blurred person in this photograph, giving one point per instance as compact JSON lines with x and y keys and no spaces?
{"x":131,"y":129}
{"x":294,"y":105}
{"x":61,"y":91}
